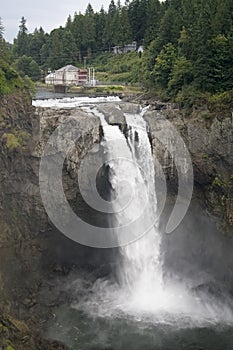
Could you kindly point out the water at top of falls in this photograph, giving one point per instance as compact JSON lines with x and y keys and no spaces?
{"x":71,"y":102}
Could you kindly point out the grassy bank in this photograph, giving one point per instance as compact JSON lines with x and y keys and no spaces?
{"x":126,"y":89}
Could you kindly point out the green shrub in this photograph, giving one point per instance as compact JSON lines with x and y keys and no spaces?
{"x":205,"y":156}
{"x":17,"y":139}
{"x":9,"y":79}
{"x":12,"y":141}
{"x":221,"y":103}
{"x":206,"y":115}
{"x":219,"y":183}
{"x":118,"y":68}
{"x":8,"y":345}
{"x":188,"y":96}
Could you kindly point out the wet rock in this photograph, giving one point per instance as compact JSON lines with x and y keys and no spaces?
{"x":113,"y":114}
{"x":15,"y":335}
{"x":210,"y":144}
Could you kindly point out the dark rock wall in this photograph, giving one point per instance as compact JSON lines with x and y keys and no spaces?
{"x":210,"y":143}
{"x":30,"y":246}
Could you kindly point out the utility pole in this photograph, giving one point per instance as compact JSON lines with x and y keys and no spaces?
{"x":89,"y":76}
{"x":85,"y":62}
{"x":93,"y":80}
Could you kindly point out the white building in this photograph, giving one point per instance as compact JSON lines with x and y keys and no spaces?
{"x":67,"y":76}
{"x":49,"y":79}
{"x":125,"y":48}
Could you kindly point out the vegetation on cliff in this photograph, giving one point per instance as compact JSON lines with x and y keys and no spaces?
{"x":15,"y":335}
{"x":16,"y":139}
{"x":10,"y":79}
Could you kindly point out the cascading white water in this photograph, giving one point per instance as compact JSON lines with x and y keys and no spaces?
{"x":130,"y":186}
{"x":131,"y":161}
{"x":132,"y":170}
{"x":141,"y":270}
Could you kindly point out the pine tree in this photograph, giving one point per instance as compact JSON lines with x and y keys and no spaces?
{"x":35,"y":43}
{"x":137,"y":19}
{"x":180,"y":76}
{"x":1,"y":28}
{"x":69,"y":24}
{"x":78,"y":25}
{"x":100,"y":20}
{"x":69,"y":49}
{"x":164,"y":64}
{"x":26,"y":66}
{"x":55,"y":59}
{"x":2,"y":41}
{"x":88,"y":31}
{"x":109,"y":30}
{"x":21,"y":42}
{"x":125,"y":34}
{"x":153,"y":11}
{"x":223,"y":18}
{"x":170,"y":27}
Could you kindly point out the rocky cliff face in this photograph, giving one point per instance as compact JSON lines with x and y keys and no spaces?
{"x":34,"y":255}
{"x":17,"y":185}
{"x":210,"y":143}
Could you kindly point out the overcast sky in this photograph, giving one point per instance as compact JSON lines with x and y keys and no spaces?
{"x":49,"y":14}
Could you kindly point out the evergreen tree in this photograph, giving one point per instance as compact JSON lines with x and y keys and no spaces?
{"x":223,"y":17}
{"x":125,"y":32}
{"x":2,"y":41}
{"x":180,"y":76}
{"x":164,"y":65}
{"x":170,"y":27}
{"x":109,"y":30}
{"x":69,"y":24}
{"x":26,"y":66}
{"x":55,"y":59}
{"x":21,"y":42}
{"x":100,"y":20}
{"x":69,"y":49}
{"x":153,"y":11}
{"x":34,"y":71}
{"x":35,"y":43}
{"x":44,"y":53}
{"x":137,"y":19}
{"x":88,"y":31}
{"x":78,"y":25}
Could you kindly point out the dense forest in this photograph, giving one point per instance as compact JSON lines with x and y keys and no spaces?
{"x":188,"y":44}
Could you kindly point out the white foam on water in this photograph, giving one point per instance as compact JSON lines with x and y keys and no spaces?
{"x":72,"y":102}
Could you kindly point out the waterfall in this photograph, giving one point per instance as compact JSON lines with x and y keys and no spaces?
{"x":141,"y":269}
{"x":132,"y":177}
